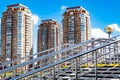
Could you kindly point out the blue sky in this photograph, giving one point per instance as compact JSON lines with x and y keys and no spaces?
{"x":102,"y":12}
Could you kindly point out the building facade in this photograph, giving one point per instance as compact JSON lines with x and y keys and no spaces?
{"x":17,"y":32}
{"x":48,"y":35}
{"x":76,"y":25}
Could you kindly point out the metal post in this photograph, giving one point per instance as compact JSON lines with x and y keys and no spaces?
{"x":14,"y":71}
{"x":40,"y":75}
{"x":109,"y":46}
{"x":80,"y":65}
{"x":92,"y":46}
{"x":53,"y":73}
{"x":95,"y":65}
{"x":109,"y":34}
{"x":109,"y":54}
{"x":76,"y":68}
{"x":117,"y":53}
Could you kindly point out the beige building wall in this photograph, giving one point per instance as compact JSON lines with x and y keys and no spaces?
{"x":48,"y":37}
{"x":76,"y":25}
{"x":17,"y":32}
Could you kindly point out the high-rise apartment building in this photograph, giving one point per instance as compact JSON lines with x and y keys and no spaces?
{"x":76,"y":25}
{"x":48,"y":35}
{"x":17,"y":32}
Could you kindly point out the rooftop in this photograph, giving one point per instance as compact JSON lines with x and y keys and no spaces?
{"x":48,"y":20}
{"x":16,"y":6}
{"x":76,"y":7}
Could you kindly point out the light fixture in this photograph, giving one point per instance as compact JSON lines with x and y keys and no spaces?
{"x":109,"y":30}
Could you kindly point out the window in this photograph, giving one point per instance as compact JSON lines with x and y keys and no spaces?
{"x":71,"y":13}
{"x":8,"y":24}
{"x":81,"y":15}
{"x":19,"y":43}
{"x":19,"y":13}
{"x":82,"y":20}
{"x":71,"y":41}
{"x":8,"y":20}
{"x":8,"y":51}
{"x":43,"y":37}
{"x":71,"y":28}
{"x":71,"y":36}
{"x":53,"y":36}
{"x":82,"y":28}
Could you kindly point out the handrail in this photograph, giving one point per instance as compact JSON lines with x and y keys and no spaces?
{"x":89,"y":41}
{"x":48,"y":55}
{"x":66,"y":59}
{"x":18,"y":59}
{"x":62,"y":50}
{"x":28,"y":56}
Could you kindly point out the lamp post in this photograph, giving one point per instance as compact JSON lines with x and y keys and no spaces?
{"x":109,"y":30}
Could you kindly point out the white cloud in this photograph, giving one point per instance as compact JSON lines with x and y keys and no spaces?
{"x":98,"y":33}
{"x":115,"y":27}
{"x":0,"y":21}
{"x":36,"y":19}
{"x":63,"y":7}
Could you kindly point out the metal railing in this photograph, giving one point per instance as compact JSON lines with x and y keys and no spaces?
{"x":95,"y":55}
{"x":77,"y":53}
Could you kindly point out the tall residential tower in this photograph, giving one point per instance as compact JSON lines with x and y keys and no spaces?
{"x":17,"y":32}
{"x":48,"y":35}
{"x":76,"y":25}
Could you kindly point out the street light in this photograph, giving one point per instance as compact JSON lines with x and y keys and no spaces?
{"x":109,"y":30}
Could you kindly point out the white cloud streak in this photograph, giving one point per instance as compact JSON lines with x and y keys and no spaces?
{"x":98,"y":33}
{"x":63,"y":7}
{"x":0,"y":21}
{"x":36,"y":19}
{"x":115,"y":27}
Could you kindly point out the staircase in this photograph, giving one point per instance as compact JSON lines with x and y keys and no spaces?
{"x":74,"y":62}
